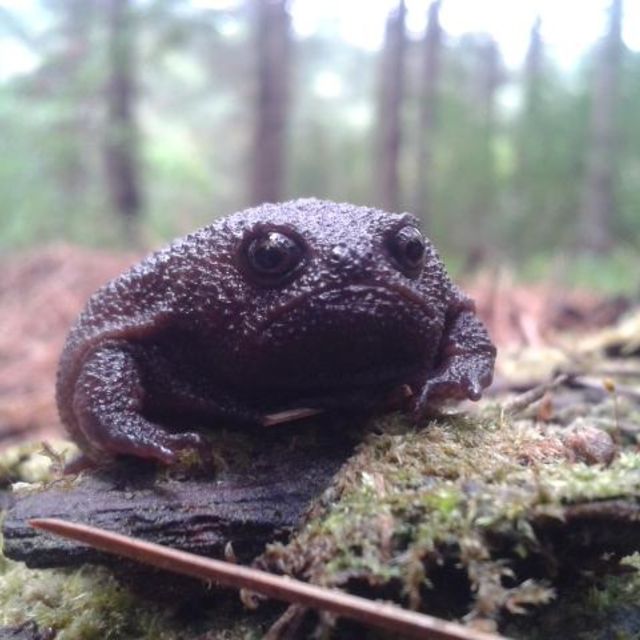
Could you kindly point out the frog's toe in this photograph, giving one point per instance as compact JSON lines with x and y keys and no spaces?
{"x":473,"y":389}
{"x":147,"y":441}
{"x":157,"y":450}
{"x":178,"y":443}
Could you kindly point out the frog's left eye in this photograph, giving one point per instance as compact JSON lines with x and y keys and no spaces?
{"x":273,"y":256}
{"x":408,"y":248}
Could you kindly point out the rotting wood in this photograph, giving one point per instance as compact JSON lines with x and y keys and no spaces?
{"x":609,"y":527}
{"x":247,"y":506}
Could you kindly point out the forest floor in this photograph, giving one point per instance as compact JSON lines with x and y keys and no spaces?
{"x":563,"y":417}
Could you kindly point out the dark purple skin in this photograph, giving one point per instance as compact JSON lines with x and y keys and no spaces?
{"x":336,"y":309}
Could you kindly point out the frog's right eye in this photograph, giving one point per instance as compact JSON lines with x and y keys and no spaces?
{"x":273,"y":256}
{"x":408,"y":250}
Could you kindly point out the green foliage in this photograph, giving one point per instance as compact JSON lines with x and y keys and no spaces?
{"x":629,"y":159}
{"x":547,"y":175}
{"x":616,"y":273}
{"x":509,"y":185}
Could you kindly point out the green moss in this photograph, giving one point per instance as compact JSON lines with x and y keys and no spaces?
{"x":33,"y":462}
{"x":90,"y":604}
{"x":81,"y":605}
{"x":461,"y":493}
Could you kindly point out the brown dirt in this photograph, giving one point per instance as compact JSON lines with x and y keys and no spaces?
{"x":41,"y":293}
{"x":530,"y":315}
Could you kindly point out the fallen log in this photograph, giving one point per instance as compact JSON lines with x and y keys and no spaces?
{"x":236,"y":512}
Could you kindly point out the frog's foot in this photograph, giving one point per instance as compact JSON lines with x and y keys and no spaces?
{"x":439,"y":389}
{"x":161,"y":446}
{"x":108,"y":407}
{"x":136,"y":436}
{"x":167,"y":449}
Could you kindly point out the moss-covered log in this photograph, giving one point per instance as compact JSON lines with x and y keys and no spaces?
{"x":480,"y":516}
{"x":483,"y":515}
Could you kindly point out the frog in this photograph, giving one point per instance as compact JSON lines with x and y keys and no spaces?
{"x":309,"y":303}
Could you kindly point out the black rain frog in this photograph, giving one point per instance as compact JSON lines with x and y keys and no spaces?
{"x":306,"y":303}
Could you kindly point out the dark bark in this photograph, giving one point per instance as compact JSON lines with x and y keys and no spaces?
{"x":122,"y":135}
{"x":75,"y":127}
{"x":260,"y":502}
{"x":390,"y":110}
{"x":489,"y":81}
{"x":530,"y":128}
{"x":486,"y":82}
{"x":273,"y":51}
{"x":590,"y":530}
{"x":428,"y":113}
{"x":598,"y":206}
{"x":533,"y":69}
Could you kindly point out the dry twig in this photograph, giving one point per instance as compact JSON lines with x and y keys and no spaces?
{"x":290,"y":415}
{"x":526,"y":399}
{"x":598,"y":384}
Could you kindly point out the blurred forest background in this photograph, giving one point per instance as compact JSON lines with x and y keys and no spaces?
{"x":128,"y":122}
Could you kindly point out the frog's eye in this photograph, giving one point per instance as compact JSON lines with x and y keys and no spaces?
{"x":273,"y":255}
{"x":408,"y":248}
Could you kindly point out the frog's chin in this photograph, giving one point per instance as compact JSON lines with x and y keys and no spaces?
{"x":352,"y":337}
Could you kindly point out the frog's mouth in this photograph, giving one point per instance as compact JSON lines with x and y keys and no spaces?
{"x":363,"y":291}
{"x":360,"y":335}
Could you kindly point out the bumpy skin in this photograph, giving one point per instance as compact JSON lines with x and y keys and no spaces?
{"x":191,"y":335}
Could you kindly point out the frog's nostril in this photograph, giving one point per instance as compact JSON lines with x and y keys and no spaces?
{"x":340,"y":253}
{"x":351,"y":262}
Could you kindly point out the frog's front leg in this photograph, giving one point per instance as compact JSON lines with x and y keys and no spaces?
{"x":465,"y":362}
{"x":108,"y":403}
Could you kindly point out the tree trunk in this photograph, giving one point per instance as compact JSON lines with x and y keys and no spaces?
{"x":74,"y":127}
{"x":530,"y":129}
{"x":598,"y":205}
{"x":389,"y":123}
{"x":488,"y":80}
{"x":489,"y":74}
{"x":531,"y":107}
{"x":273,"y":40}
{"x":122,"y":137}
{"x":428,"y":114}
{"x":533,"y":70}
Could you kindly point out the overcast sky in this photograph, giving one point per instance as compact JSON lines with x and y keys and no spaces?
{"x":568,"y":26}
